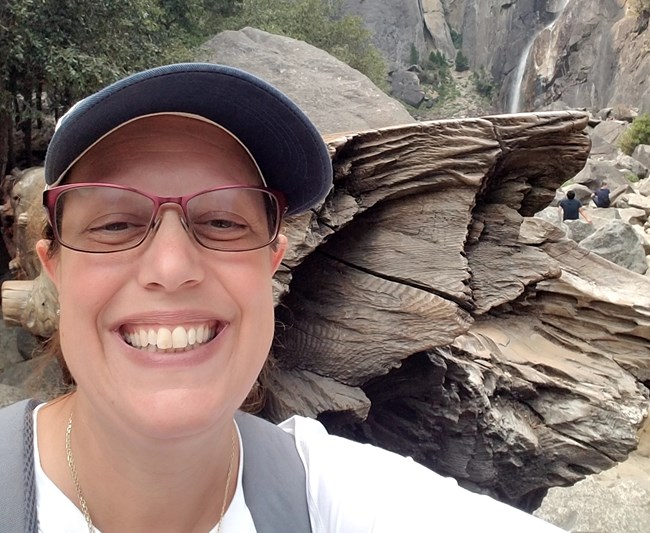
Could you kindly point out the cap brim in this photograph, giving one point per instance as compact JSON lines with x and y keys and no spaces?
{"x":290,"y":152}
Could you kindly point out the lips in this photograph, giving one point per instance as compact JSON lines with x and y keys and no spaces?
{"x":170,"y":338}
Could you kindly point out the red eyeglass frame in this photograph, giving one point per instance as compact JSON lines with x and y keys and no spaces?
{"x":50,"y":197}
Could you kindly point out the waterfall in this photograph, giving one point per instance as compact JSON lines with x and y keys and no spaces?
{"x":519,"y":78}
{"x":521,"y":67}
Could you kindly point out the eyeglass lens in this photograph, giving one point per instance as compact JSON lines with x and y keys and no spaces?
{"x":107,"y":219}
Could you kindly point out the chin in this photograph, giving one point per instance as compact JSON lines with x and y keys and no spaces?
{"x":182,"y":413}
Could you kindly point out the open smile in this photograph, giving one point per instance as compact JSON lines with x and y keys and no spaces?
{"x":170,"y":339}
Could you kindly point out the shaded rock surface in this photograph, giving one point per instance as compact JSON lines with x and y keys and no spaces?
{"x":437,"y":29}
{"x":405,"y":85}
{"x":386,"y":262}
{"x":642,"y":154}
{"x":578,"y":230}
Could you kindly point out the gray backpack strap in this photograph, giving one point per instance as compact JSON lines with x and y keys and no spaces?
{"x":17,"y":484}
{"x":275,"y":486}
{"x":274,"y":477}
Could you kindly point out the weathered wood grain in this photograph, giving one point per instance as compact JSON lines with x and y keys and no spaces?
{"x":31,"y":304}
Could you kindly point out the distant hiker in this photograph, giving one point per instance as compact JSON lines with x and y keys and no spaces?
{"x":601,"y":196}
{"x":571,"y":208}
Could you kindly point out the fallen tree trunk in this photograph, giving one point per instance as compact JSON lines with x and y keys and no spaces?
{"x":422,"y":311}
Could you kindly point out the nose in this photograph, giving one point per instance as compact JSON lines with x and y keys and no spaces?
{"x":172,"y":259}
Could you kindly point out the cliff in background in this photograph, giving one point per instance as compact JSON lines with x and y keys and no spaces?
{"x":583,"y":53}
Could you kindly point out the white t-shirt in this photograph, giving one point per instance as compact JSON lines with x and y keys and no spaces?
{"x":351,"y":488}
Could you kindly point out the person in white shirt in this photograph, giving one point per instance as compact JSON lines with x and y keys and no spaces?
{"x":165,"y":194}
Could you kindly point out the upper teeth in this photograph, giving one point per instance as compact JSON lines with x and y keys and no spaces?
{"x":166,"y":338}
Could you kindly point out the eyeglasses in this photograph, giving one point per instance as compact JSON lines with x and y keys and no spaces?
{"x":104,"y":218}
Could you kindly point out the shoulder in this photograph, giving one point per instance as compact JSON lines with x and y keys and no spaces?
{"x":355,"y":488}
{"x":16,"y":463}
{"x":17,"y":413}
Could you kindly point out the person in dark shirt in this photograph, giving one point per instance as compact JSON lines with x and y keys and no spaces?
{"x":601,"y":196}
{"x":571,"y":208}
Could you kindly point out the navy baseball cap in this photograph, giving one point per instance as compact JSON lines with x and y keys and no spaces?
{"x":284,"y":143}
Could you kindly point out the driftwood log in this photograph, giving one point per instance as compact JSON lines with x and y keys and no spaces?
{"x":420,"y":308}
{"x":30,"y":300}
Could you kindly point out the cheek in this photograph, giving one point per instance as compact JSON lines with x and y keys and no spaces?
{"x":256,"y":293}
{"x":85,"y":286}
{"x":80,"y":304}
{"x":252,"y":289}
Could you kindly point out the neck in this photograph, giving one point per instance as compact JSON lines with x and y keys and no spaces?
{"x":118,"y":469}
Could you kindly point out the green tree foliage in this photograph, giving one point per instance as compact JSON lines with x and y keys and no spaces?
{"x":317,"y":22}
{"x":197,"y":19}
{"x":436,"y":73}
{"x":54,"y":52}
{"x":436,"y":70}
{"x":456,"y":38}
{"x":483,"y":82}
{"x":638,"y":133}
{"x":437,"y":60}
{"x":461,"y":63}
{"x":415,"y":55}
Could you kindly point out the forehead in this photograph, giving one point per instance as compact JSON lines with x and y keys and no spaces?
{"x":167,"y":147}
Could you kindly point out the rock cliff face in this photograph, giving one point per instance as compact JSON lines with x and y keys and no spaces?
{"x":578,"y":59}
{"x":436,"y":27}
{"x":398,"y":26}
{"x":584,"y":53}
{"x":495,"y":33}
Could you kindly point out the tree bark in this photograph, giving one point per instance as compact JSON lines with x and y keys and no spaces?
{"x":6,"y":129}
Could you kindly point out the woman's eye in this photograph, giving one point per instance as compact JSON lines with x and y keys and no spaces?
{"x":112,"y":226}
{"x":219,"y":220}
{"x":116,"y":224}
{"x":224,"y":223}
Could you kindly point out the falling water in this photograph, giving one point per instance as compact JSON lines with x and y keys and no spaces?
{"x":521,"y":67}
{"x":519,"y":78}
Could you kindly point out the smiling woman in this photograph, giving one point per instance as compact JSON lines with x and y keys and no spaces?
{"x":165,"y":195}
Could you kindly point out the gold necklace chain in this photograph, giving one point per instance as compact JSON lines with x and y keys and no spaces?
{"x":82,"y":500}
{"x":75,"y":478}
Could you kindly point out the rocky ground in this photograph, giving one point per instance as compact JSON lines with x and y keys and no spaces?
{"x":464,"y":101}
{"x":467,"y":102}
{"x":614,"y":501}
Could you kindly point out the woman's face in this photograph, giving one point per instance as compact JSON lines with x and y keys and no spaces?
{"x":168,"y":282}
